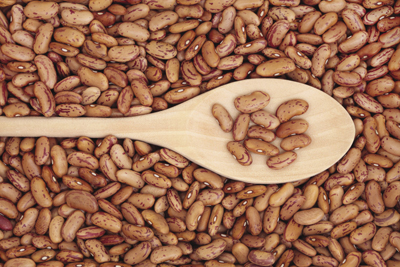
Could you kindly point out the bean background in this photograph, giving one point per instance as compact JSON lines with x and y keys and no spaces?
{"x":106,"y":202}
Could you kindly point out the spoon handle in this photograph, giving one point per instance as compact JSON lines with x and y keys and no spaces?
{"x":166,"y":128}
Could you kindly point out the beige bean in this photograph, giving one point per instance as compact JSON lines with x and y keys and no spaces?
{"x":133,"y":31}
{"x":140,"y":233}
{"x":42,"y":150}
{"x":179,"y":95}
{"x":81,"y":159}
{"x":373,"y":257}
{"x":353,"y":193}
{"x":298,"y":58}
{"x":106,"y":221}
{"x":123,"y":53}
{"x":215,"y":6}
{"x":161,"y":50}
{"x":240,"y":153}
{"x":223,"y":117}
{"x":261,"y":147}
{"x":55,"y":229}
{"x":39,"y":192}
{"x":349,"y":161}
{"x":387,"y":217}
{"x":77,"y":18}
{"x":17,"y":52}
{"x":98,"y":250}
{"x":275,"y":67}
{"x":40,"y":10}
{"x":363,"y":233}
{"x":374,"y":197}
{"x":194,"y":213}
{"x":43,"y":38}
{"x":209,"y":178}
{"x":230,"y":62}
{"x":20,"y":262}
{"x":190,"y":74}
{"x":46,"y":71}
{"x":69,"y":36}
{"x":27,"y":223}
{"x":282,"y":195}
{"x":343,"y":229}
{"x":344,"y":213}
{"x":72,"y":225}
{"x":325,"y":22}
{"x":277,"y":33}
{"x":390,"y":145}
{"x":319,"y":60}
{"x":45,"y":99}
{"x":212,"y":250}
{"x":295,"y":142}
{"x":318,"y":228}
{"x":311,"y":193}
{"x":265,"y":119}
{"x":162,"y":19}
{"x":165,"y":253}
{"x":262,"y":258}
{"x":368,"y":103}
{"x":209,"y":54}
{"x":286,"y":129}
{"x":282,"y":160}
{"x":261,"y":133}
{"x":246,"y":103}
{"x":136,"y":12}
{"x":215,"y":219}
{"x":156,"y":221}
{"x":308,"y":217}
{"x":291,"y":206}
{"x":240,"y":127}
{"x":138,"y":253}
{"x":18,"y":180}
{"x":172,"y":69}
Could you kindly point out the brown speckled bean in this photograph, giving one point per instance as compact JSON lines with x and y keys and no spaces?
{"x":240,"y":153}
{"x":240,"y":127}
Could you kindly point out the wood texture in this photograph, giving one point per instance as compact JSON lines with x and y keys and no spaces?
{"x":191,"y":130}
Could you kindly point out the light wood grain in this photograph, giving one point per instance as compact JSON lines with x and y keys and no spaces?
{"x":191,"y":130}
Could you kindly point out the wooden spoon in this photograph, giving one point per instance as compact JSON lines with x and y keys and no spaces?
{"x":191,"y":130}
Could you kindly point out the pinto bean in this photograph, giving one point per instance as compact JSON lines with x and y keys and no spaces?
{"x":348,"y":50}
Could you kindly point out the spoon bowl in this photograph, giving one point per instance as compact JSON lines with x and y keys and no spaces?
{"x":191,"y":130}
